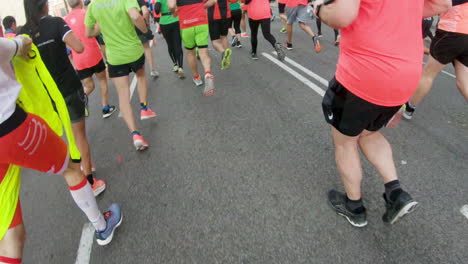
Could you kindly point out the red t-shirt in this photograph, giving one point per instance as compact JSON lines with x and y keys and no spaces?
{"x":295,"y":3}
{"x":221,"y":10}
{"x":259,"y":9}
{"x":192,"y":13}
{"x":381,"y":52}
{"x":91,"y":55}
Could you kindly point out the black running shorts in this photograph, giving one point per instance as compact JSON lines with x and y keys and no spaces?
{"x":352,"y":115}
{"x":76,"y":103}
{"x":447,"y":47}
{"x":88,"y":72}
{"x":281,"y":8}
{"x":219,"y":27}
{"x":125,"y":69}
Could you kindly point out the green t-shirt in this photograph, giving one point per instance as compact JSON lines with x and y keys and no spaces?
{"x":122,"y":43}
{"x":235,"y":6}
{"x":166,"y":17}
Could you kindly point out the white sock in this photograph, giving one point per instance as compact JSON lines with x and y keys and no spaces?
{"x":84,"y":198}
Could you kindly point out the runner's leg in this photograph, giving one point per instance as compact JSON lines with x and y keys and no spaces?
{"x":254,"y":24}
{"x":192,"y":60}
{"x":430,"y":72}
{"x":266,"y":30}
{"x":104,"y":87}
{"x":149,"y":55}
{"x":205,"y":59}
{"x":461,"y":72}
{"x":89,"y":85}
{"x":142,"y":85}
{"x":79,"y":131}
{"x":122,"y":85}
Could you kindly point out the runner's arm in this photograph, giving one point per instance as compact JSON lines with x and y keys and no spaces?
{"x":339,"y":13}
{"x":146,"y":12}
{"x":73,"y":42}
{"x":93,"y":32}
{"x":435,"y":7}
{"x":9,"y":48}
{"x":137,"y":19}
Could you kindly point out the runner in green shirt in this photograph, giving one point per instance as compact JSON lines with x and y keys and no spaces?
{"x":235,"y":29}
{"x":117,"y":20}
{"x":170,"y":29}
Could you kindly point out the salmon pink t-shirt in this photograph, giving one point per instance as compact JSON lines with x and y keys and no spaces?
{"x":455,"y":20}
{"x":259,"y":9}
{"x":91,"y":55}
{"x":381,"y":52}
{"x":295,"y":3}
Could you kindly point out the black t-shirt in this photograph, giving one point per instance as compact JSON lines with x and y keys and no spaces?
{"x":49,"y":41}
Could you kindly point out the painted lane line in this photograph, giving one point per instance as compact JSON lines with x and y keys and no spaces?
{"x":298,"y":76}
{"x":306,"y":71}
{"x":86,"y":243}
{"x":464,"y":210}
{"x":132,"y":90}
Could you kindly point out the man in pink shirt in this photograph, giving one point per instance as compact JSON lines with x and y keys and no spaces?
{"x":376,"y":74}
{"x":90,"y":61}
{"x":296,"y":11}
{"x":450,"y":44}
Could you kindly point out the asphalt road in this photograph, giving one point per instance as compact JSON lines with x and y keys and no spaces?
{"x":242,"y":177}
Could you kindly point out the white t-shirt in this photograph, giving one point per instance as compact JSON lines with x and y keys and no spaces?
{"x":9,"y":86}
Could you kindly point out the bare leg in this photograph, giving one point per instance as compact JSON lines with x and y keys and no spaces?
{"x":88,"y":85}
{"x":430,"y":72}
{"x":284,"y":20}
{"x":462,"y":78}
{"x":348,"y":163}
{"x":290,"y":32}
{"x":379,"y":152}
{"x":192,"y":60}
{"x":12,"y":244}
{"x":122,"y":85}
{"x":142,"y":85}
{"x":218,"y":45}
{"x":224,"y":42}
{"x":243,"y":25}
{"x":307,"y":29}
{"x":104,"y":88}
{"x":79,"y":131}
{"x":149,"y":55}
{"x":205,"y":59}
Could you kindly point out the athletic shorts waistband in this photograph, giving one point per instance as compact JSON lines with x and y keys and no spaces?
{"x":13,"y":122}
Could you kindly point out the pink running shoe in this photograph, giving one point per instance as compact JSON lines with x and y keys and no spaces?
{"x":139,"y":143}
{"x":147,"y":114}
{"x":98,"y":187}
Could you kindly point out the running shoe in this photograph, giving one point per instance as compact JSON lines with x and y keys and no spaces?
{"x":337,"y":201}
{"x":113,"y":219}
{"x":403,"y":205}
{"x":147,"y":114}
{"x":288,"y":45}
{"x":337,"y":41}
{"x":253,"y":56}
{"x":154,"y":74}
{"x":273,"y":18}
{"x":139,"y":143}
{"x":234,"y":40}
{"x":197,"y":80}
{"x":319,"y":34}
{"x":226,"y":62}
{"x":175,"y":68}
{"x":98,"y":187}
{"x":244,"y":35}
{"x":317,"y":45}
{"x":280,"y":52}
{"x":408,"y":111}
{"x":283,"y":30}
{"x":238,"y":44}
{"x":181,"y":73}
{"x":108,"y":111}
{"x":209,"y":85}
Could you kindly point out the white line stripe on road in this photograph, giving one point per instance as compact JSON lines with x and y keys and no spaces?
{"x":132,"y":90}
{"x":86,"y":243}
{"x":464,"y":210}
{"x":301,"y":78}
{"x":306,"y":71}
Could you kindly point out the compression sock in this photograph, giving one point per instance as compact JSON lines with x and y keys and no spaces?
{"x":84,"y":198}
{"x":392,"y":190}
{"x":144,"y":106}
{"x":136,"y":133}
{"x":7,"y":260}
{"x":355,"y":206}
{"x":90,"y":178}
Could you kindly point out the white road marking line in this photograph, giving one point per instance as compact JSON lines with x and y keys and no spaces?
{"x":86,"y":243}
{"x":306,"y":71}
{"x":132,"y":90}
{"x":464,"y":210}
{"x":301,"y":78}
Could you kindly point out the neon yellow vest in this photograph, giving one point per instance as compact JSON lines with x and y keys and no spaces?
{"x":37,"y":94}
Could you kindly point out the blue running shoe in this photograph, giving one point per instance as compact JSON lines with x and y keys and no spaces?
{"x":113,"y":220}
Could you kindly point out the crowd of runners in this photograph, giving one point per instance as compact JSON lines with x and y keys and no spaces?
{"x":44,"y":87}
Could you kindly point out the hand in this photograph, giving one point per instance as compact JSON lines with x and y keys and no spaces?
{"x":24,"y":51}
{"x":149,"y":34}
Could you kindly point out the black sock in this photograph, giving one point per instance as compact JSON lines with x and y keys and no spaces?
{"x":355,"y":206}
{"x":90,"y":179}
{"x":392,"y":189}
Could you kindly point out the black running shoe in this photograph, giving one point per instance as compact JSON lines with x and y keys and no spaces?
{"x":253,"y":56}
{"x":402,"y":206}
{"x":409,"y":111}
{"x":288,"y":46}
{"x":108,"y":111}
{"x":337,"y":201}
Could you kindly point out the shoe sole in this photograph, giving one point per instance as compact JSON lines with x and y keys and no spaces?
{"x":209,"y":92}
{"x":109,"y":239}
{"x":406,"y":116}
{"x":226,"y":62}
{"x":347,"y":218}
{"x":139,"y":145}
{"x":407,"y":209}
{"x":255,"y":58}
{"x":181,"y":75}
{"x":147,"y":117}
{"x":198,"y":85}
{"x":108,"y":114}
{"x":98,"y":191}
{"x":280,"y":54}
